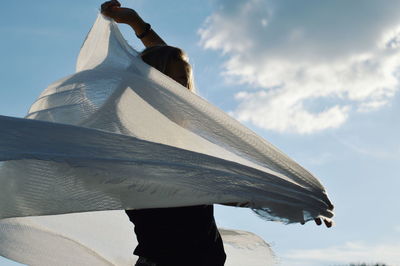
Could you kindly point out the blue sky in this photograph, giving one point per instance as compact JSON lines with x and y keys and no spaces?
{"x":317,"y":79}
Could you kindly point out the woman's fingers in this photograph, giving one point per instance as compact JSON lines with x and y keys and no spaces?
{"x":328,"y":223}
{"x":107,"y":6}
{"x":113,"y":10}
{"x":104,"y":6}
{"x":318,"y":221}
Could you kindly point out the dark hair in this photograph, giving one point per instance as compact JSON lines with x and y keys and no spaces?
{"x":160,"y":57}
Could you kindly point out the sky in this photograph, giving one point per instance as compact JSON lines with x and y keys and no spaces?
{"x":318,"y":79}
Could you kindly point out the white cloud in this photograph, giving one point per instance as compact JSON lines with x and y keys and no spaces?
{"x":351,"y":252}
{"x":309,"y":64}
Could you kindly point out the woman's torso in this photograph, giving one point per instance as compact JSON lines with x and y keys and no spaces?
{"x":185,"y":235}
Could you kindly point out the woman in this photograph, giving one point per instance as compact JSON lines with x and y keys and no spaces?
{"x":169,"y":236}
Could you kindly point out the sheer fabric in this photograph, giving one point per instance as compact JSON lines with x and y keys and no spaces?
{"x":117,"y":135}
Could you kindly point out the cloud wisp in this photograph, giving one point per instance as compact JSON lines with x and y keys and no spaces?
{"x":308,"y":65}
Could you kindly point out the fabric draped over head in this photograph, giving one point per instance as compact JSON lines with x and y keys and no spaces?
{"x":118,"y":134}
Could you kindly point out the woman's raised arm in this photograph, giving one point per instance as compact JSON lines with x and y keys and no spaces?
{"x":129,"y":16}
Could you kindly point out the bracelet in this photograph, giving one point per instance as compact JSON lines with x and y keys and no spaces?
{"x":145,"y":32}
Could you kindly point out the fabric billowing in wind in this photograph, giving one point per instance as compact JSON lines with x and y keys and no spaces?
{"x":119,"y":134}
{"x":102,"y":239}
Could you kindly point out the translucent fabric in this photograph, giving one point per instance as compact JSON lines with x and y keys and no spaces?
{"x":118,"y":135}
{"x":103,"y":238}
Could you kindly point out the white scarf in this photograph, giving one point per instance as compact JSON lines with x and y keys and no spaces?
{"x":118,"y":135}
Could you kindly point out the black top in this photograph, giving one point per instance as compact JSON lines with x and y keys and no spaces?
{"x":178,"y":236}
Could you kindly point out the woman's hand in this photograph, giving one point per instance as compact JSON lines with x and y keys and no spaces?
{"x":120,"y":14}
{"x":328,"y":223}
{"x":113,"y":9}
